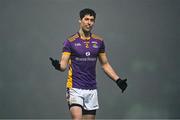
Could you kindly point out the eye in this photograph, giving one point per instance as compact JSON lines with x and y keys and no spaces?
{"x":92,"y":20}
{"x":86,"y":19}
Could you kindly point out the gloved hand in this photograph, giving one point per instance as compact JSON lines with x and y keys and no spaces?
{"x":122,"y":84}
{"x":55,"y":63}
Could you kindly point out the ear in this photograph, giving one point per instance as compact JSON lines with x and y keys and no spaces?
{"x":79,"y":21}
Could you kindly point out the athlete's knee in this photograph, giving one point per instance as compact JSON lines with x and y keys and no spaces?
{"x":76,"y":112}
{"x":89,"y":114}
{"x":88,"y":117}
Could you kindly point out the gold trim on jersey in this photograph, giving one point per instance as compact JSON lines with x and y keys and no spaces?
{"x":66,"y":53}
{"x":72,"y":38}
{"x":69,"y":80}
{"x":103,"y":53}
{"x":96,"y":37}
{"x":85,"y":38}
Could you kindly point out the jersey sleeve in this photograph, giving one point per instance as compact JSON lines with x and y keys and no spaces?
{"x":66,"y":47}
{"x":102,"y":47}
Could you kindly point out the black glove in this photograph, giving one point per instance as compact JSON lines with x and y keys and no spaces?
{"x":122,"y":84}
{"x":55,"y":63}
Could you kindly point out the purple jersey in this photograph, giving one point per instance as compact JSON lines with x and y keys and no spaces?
{"x":82,"y":63}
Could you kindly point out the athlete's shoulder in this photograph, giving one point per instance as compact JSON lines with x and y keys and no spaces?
{"x":95,"y":36}
{"x":73,"y":37}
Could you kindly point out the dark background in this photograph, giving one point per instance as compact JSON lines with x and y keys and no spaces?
{"x":142,"y":43}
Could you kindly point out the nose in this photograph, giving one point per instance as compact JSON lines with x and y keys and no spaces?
{"x":89,"y":22}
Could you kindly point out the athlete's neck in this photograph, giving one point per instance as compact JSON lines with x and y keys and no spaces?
{"x":84,"y":34}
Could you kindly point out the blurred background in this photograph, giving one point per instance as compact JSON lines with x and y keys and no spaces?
{"x":142,"y":44}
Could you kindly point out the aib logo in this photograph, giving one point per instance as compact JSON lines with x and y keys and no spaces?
{"x":88,"y":53}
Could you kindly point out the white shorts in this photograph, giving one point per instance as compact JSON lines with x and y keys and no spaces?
{"x":88,"y":99}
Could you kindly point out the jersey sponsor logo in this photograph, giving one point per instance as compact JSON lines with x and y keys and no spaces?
{"x":85,"y":59}
{"x":88,"y":53}
{"x":77,"y":44}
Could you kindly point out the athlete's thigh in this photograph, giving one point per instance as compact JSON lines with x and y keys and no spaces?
{"x":91,"y":100}
{"x":76,"y":112}
{"x":74,"y":97}
{"x":75,"y":103}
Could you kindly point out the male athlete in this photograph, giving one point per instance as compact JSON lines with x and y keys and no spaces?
{"x":80,"y":53}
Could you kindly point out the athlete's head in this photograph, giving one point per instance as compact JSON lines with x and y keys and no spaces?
{"x":85,"y":12}
{"x":87,"y":19}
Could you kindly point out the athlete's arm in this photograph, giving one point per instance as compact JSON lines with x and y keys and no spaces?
{"x":62,"y":65}
{"x":107,"y":67}
{"x":64,"y":59}
{"x":111,"y":73}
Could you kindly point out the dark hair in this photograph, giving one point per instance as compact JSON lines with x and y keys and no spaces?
{"x":87,"y":11}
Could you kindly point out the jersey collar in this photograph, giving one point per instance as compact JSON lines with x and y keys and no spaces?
{"x":84,"y":38}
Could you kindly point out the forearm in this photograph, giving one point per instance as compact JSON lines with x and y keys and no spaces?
{"x":64,"y":61}
{"x":110,"y":71}
{"x":62,"y":66}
